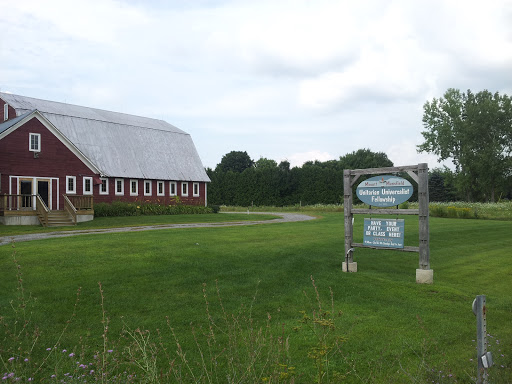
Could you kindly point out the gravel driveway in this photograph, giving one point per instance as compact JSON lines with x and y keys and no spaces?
{"x":284,"y":218}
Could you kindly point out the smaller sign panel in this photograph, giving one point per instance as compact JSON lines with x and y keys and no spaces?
{"x":384,"y":233}
{"x":384,"y":191}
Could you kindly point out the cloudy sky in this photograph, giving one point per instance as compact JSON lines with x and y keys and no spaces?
{"x":296,"y":80}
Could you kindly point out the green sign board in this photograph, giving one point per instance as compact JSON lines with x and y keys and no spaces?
{"x":384,"y":191}
{"x":384,"y":233}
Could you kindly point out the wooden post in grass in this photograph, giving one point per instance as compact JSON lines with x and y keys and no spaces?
{"x":423,"y":274}
{"x":423,"y":216}
{"x":419,"y":173}
{"x":348,"y":264}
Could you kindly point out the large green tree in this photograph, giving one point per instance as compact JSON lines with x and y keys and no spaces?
{"x":475,"y":131}
{"x":264,"y":163}
{"x":365,"y":158}
{"x":235,"y":161}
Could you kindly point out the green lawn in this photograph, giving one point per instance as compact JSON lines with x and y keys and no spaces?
{"x":133,"y":221}
{"x":395,"y":330}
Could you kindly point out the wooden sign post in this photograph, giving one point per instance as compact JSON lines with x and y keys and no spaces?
{"x":419,"y":173}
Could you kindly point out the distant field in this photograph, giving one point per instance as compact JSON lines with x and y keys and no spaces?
{"x":490,"y":211}
{"x":388,"y":328}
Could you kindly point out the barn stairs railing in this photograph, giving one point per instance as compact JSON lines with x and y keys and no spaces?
{"x":42,"y":211}
{"x":16,"y":203}
{"x":80,"y":202}
{"x":32,"y":205}
{"x":70,"y":208}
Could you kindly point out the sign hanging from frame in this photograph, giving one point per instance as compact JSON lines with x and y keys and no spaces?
{"x":384,"y":191}
{"x":384,"y":233}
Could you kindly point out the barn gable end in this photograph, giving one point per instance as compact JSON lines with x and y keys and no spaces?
{"x":107,"y":155}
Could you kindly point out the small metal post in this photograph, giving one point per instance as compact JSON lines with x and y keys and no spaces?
{"x":484,"y":358}
{"x":346,"y":259}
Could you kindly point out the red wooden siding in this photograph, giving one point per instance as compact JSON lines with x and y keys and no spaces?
{"x":54,"y":160}
{"x":154,"y":198}
{"x":57,"y":161}
{"x":12,"y":112}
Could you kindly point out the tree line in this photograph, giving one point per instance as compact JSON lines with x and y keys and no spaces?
{"x":239,"y":180}
{"x":473,"y":130}
{"x":265,"y":182}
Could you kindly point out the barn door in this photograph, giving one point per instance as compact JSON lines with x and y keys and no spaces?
{"x":26,"y":192}
{"x":43,"y":191}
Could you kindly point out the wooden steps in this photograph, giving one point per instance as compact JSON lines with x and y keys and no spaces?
{"x":57,"y":219}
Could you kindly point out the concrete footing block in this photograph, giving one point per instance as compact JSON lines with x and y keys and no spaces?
{"x":425,"y":276}
{"x":352,"y":267}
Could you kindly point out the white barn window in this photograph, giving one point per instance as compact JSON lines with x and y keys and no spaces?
{"x":147,"y":188}
{"x":87,"y":186}
{"x":160,"y":188}
{"x":172,"y":188}
{"x":134,"y":187}
{"x":104,"y":186}
{"x":119,"y":187}
{"x":34,"y":142}
{"x":70,"y":184}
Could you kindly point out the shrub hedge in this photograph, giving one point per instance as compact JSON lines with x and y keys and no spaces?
{"x":120,"y":208}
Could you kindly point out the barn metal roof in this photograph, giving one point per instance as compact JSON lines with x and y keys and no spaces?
{"x":9,"y":123}
{"x":119,"y":144}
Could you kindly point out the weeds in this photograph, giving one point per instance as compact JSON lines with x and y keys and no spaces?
{"x":228,"y":347}
{"x":462,"y":210}
{"x":234,"y":346}
{"x":321,"y":326}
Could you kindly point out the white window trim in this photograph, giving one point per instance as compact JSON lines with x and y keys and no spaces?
{"x":38,"y":135}
{"x":184,"y":186}
{"x":194,"y":189}
{"x":150,"y":193}
{"x":6,"y":112}
{"x":89,"y":192}
{"x":106,"y":184}
{"x":136,"y":193}
{"x":67,"y":184}
{"x":171,"y":183}
{"x":158,"y":184}
{"x":122,"y":187}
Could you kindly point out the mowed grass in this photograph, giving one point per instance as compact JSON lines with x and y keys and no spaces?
{"x":395,"y":329}
{"x":134,"y":221}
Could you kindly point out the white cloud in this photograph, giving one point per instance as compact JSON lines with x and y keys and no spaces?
{"x":389,"y":66}
{"x":273,"y":77}
{"x":405,"y":153}
{"x":100,"y":21}
{"x":284,"y":38}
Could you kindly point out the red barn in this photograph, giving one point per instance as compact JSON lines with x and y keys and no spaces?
{"x":57,"y":158}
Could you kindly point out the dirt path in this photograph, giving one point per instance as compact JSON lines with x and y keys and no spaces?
{"x":285,"y":218}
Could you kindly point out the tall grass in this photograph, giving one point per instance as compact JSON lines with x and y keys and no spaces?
{"x":491,"y":211}
{"x":260,"y":317}
{"x":461,"y":210}
{"x":230,"y":347}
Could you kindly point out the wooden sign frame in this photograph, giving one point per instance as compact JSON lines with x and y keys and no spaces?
{"x":419,"y":173}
